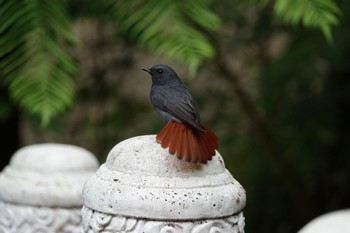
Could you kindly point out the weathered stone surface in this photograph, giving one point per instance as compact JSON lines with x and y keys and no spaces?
{"x":142,"y":188}
{"x":333,"y":222}
{"x":40,"y":190}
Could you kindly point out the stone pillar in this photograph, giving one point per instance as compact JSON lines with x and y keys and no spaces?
{"x":332,"y":222}
{"x":142,"y":188}
{"x":40,"y":190}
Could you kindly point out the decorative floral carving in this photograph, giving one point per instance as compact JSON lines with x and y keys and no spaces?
{"x":95,"y":221}
{"x":32,"y":219}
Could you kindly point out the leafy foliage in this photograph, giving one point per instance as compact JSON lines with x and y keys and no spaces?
{"x":37,"y":68}
{"x":172,"y":28}
{"x":34,"y":35}
{"x":320,"y":14}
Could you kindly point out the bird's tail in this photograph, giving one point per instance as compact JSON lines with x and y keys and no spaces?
{"x":188,"y":143}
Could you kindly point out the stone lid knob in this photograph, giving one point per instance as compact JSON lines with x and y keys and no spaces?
{"x":47,"y":174}
{"x":143,"y":180}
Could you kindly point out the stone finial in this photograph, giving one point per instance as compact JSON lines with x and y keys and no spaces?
{"x":142,"y":188}
{"x":40,"y":190}
{"x":334,"y":222}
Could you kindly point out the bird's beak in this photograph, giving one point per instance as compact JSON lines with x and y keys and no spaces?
{"x":147,"y":70}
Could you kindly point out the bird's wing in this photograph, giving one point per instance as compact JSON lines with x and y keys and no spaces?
{"x":181,"y":105}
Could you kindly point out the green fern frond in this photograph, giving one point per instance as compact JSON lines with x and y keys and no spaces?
{"x":175,"y":29}
{"x":37,"y":68}
{"x":321,"y":14}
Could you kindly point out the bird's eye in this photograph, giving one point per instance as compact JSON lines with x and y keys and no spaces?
{"x":160,"y":71}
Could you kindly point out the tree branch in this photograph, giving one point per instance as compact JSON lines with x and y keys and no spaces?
{"x":259,"y":123}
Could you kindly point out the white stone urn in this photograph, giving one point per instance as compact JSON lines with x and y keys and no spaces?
{"x":333,"y":222}
{"x":40,"y":190}
{"x":142,"y":188}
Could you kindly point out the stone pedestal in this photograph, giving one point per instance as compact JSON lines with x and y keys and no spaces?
{"x":142,"y":188}
{"x":40,"y":190}
{"x":333,"y":222}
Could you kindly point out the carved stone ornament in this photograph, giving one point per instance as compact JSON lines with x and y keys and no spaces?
{"x":31,"y":219}
{"x":40,"y":190}
{"x":95,"y":221}
{"x":142,"y":188}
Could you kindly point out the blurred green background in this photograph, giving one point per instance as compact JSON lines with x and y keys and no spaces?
{"x":271,"y":78}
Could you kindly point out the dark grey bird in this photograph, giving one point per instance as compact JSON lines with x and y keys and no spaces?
{"x":184,"y":133}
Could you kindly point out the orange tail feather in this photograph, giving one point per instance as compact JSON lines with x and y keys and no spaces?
{"x":185,"y":146}
{"x":188,"y":143}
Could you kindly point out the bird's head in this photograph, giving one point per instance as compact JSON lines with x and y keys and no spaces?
{"x":163,"y":75}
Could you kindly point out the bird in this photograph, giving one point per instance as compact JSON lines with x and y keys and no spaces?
{"x":184,"y":134}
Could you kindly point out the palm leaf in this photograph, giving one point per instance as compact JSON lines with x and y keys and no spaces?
{"x":176,"y":29}
{"x":322,"y":14}
{"x":37,"y":68}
